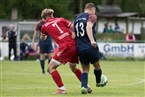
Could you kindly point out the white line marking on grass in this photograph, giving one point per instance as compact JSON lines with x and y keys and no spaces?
{"x":136,"y":83}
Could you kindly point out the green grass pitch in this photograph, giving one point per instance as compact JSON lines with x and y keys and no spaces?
{"x":24,"y":79}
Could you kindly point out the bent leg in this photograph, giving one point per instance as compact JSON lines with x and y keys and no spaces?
{"x":75,"y":70}
{"x":50,"y":56}
{"x":55,"y":74}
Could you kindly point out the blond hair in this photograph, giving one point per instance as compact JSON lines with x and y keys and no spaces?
{"x":89,"y":5}
{"x":46,"y":12}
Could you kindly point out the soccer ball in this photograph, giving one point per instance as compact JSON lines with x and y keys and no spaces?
{"x":103,"y":82}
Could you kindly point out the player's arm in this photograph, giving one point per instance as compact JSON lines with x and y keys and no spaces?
{"x":70,"y":26}
{"x":34,"y":37}
{"x":35,"y":34}
{"x":72,"y":30}
{"x":90,"y":34}
{"x":73,"y":35}
{"x":89,"y":30}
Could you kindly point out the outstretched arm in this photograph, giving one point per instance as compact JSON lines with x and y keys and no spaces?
{"x":34,"y":37}
{"x":35,"y":34}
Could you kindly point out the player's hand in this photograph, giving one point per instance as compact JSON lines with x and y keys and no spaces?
{"x":73,"y":35}
{"x":94,"y":44}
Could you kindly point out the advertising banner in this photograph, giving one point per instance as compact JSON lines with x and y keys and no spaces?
{"x":123,"y":49}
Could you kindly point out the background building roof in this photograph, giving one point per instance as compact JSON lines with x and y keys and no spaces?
{"x":108,"y":11}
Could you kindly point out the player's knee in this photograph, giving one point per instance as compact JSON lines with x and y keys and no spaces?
{"x":97,"y":65}
{"x":85,"y":70}
{"x":74,"y":69}
{"x":50,"y":68}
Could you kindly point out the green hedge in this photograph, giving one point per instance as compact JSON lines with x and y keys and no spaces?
{"x":110,"y":36}
{"x":116,"y":37}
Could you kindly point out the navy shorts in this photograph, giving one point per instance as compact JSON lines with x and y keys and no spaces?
{"x":90,"y":55}
{"x":46,"y":46}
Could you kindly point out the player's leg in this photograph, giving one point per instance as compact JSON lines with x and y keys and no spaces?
{"x":42,"y":62}
{"x":75,"y":70}
{"x":42,"y":55}
{"x":50,"y":56}
{"x":97,"y":72}
{"x":78,"y":73}
{"x":85,"y":60}
{"x":56,"y":76}
{"x":94,"y":52}
{"x":84,"y":78}
{"x":72,"y":57}
{"x":49,"y":50}
{"x":101,"y":80}
{"x":97,"y":68}
{"x":83,"y":56}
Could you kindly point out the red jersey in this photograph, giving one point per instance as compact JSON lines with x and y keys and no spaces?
{"x":58,"y":29}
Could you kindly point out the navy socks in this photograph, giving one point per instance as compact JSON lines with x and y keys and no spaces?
{"x":84,"y":79}
{"x":42,"y":65}
{"x":98,"y":74}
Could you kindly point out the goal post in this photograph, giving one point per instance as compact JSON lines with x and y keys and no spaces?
{"x":25,"y":31}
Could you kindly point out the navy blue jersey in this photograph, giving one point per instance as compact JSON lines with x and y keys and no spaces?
{"x":87,"y":53}
{"x":48,"y":37}
{"x":82,"y":38}
{"x":45,"y":45}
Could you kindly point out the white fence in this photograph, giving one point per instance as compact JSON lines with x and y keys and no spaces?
{"x":108,"y":49}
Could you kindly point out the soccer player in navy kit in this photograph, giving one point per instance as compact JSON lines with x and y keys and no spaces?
{"x":85,"y":29}
{"x":46,"y":45}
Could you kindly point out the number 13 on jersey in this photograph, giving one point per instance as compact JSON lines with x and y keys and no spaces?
{"x":80,"y":29}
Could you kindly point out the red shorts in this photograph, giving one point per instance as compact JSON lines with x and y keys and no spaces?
{"x":69,"y":54}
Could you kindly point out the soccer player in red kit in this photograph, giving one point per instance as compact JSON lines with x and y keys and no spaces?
{"x":58,"y":29}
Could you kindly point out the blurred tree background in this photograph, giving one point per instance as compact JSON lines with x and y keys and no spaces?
{"x":31,"y":9}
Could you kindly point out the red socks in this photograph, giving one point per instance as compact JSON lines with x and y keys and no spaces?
{"x":78,"y":73}
{"x":57,"y":79}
